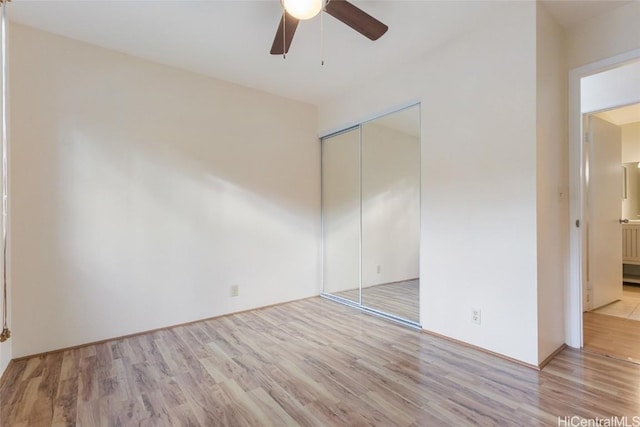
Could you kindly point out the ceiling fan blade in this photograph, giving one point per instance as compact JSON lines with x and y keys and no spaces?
{"x":284,"y":35}
{"x":356,"y":18}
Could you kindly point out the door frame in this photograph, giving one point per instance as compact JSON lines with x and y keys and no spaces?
{"x":577,"y":203}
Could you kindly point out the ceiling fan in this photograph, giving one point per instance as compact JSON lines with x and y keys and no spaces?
{"x":342,"y":10}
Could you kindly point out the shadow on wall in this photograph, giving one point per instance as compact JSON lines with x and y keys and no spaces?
{"x":142,"y":194}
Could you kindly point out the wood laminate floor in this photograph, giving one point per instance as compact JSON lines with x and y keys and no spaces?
{"x":311,"y":363}
{"x":612,"y":336}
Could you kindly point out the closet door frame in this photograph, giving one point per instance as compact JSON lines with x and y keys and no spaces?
{"x":325,"y":294}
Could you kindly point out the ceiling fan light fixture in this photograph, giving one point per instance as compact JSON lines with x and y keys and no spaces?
{"x":302,"y":9}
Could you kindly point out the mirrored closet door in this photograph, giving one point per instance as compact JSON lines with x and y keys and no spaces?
{"x":371,"y":215}
{"x":341,"y":214}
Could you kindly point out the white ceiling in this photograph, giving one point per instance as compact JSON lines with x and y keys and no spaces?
{"x":231,"y":40}
{"x":571,"y":12}
{"x":622,"y":116}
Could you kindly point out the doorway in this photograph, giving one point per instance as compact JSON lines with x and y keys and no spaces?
{"x":582,"y":296}
{"x":611,"y":322}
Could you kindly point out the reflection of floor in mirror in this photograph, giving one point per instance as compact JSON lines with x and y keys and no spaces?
{"x":401,"y":299}
{"x":628,"y":306}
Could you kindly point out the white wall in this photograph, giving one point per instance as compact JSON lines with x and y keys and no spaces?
{"x":141,"y":193}
{"x":478,"y":95}
{"x":604,"y":36}
{"x":552,"y":158}
{"x":610,"y":89}
{"x":390,"y":205}
{"x":630,"y":142}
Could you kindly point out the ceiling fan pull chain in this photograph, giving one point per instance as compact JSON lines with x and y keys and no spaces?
{"x":322,"y":37}
{"x":284,"y":33}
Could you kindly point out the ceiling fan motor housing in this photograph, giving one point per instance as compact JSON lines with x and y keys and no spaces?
{"x":342,"y":10}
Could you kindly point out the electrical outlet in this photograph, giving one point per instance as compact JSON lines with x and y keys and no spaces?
{"x":235,"y":290}
{"x":476,"y":316}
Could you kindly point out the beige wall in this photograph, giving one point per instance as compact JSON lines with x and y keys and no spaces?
{"x":630,"y":142}
{"x":604,"y":36}
{"x":478,"y":95}
{"x":552,"y":159}
{"x":142,"y":193}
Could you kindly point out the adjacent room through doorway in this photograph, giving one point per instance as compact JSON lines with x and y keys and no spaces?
{"x":611,"y":322}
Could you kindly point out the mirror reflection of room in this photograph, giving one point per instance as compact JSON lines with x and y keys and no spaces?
{"x":341,"y":214}
{"x":631,"y":190}
{"x":391,"y":213}
{"x":371,"y":214}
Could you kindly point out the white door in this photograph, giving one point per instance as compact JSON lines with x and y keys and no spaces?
{"x":605,"y":207}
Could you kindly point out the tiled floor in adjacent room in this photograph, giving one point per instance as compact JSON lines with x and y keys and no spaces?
{"x":628,"y":307}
